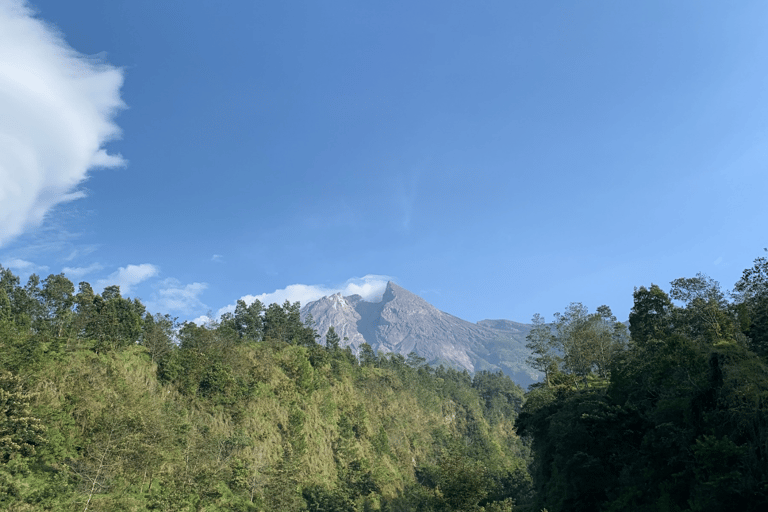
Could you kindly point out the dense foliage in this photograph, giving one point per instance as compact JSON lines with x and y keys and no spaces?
{"x":104,"y":406}
{"x":674,"y":419}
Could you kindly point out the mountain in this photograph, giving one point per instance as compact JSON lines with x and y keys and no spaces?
{"x":403,"y":322}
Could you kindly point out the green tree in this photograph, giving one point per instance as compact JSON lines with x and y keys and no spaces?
{"x":367,"y":356}
{"x":58,"y":296}
{"x":18,"y":297}
{"x":283,"y":323}
{"x":459,"y":483}
{"x":157,"y":336}
{"x":20,"y":431}
{"x":588,"y":342}
{"x":705,"y":316}
{"x":6,"y":313}
{"x":751,"y":305}
{"x":246,"y":321}
{"x":651,"y":315}
{"x":114,"y":321}
{"x":414,"y":360}
{"x":332,"y":340}
{"x":541,"y":343}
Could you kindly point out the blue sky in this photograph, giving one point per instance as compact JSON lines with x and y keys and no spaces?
{"x":497,"y":158}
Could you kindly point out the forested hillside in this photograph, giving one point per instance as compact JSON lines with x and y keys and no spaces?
{"x":104,"y":406}
{"x":672,"y":418}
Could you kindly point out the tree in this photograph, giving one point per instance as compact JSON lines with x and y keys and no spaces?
{"x":246,"y":321}
{"x":58,"y":295}
{"x":367,"y":356}
{"x":705,"y":316}
{"x":609,"y":337}
{"x":20,"y":432}
{"x":414,"y":360}
{"x":332,"y":339}
{"x":283,"y":323}
{"x":157,"y":335}
{"x":458,"y":483}
{"x":573,"y":340}
{"x":541,"y":342}
{"x":17,"y":297}
{"x":588,"y":342}
{"x":6,"y":314}
{"x":113,"y":321}
{"x":651,"y":315}
{"x":751,"y":298}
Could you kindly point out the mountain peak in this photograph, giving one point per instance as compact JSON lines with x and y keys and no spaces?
{"x":402,"y":322}
{"x":395,"y":291}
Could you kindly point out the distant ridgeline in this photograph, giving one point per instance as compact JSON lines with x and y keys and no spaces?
{"x":402,"y":323}
{"x":104,"y":406}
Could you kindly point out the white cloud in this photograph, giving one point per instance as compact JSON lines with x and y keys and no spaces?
{"x":17,"y":264}
{"x":370,"y":288}
{"x":216,"y":257}
{"x":25,"y":267}
{"x":75,"y":274}
{"x":175,"y":297}
{"x":203,"y":320}
{"x":57,"y":112}
{"x":127,"y":277}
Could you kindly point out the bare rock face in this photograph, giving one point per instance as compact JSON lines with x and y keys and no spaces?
{"x":403,"y":322}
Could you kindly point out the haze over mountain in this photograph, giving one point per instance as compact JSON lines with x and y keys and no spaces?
{"x":403,"y":322}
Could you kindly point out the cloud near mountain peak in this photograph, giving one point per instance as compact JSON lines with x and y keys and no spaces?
{"x":370,"y":287}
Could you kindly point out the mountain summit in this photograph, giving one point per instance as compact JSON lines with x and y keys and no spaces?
{"x":402,"y":322}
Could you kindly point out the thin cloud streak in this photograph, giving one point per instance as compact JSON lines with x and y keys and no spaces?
{"x":58,"y":108}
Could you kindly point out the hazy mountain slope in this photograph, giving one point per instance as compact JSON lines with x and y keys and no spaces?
{"x":403,"y":322}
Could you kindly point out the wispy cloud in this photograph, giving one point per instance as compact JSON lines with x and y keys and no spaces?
{"x":127,"y":277}
{"x":407,"y":194}
{"x":370,"y":288}
{"x":174,"y":297}
{"x":75,"y":274}
{"x":57,"y":112}
{"x":24,"y":266}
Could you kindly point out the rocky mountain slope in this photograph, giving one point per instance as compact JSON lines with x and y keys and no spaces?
{"x":403,"y":322}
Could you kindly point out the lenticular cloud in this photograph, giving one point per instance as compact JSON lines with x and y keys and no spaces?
{"x":56,"y":112}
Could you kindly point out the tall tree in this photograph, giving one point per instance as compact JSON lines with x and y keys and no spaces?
{"x":157,"y":335}
{"x":367,"y":356}
{"x":58,"y":296}
{"x":332,"y":339}
{"x":109,"y":319}
{"x":541,"y":342}
{"x":705,"y":316}
{"x":246,"y":321}
{"x":651,"y":315}
{"x":588,"y":342}
{"x":283,"y":323}
{"x":751,"y":298}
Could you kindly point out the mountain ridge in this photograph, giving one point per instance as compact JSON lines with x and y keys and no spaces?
{"x":402,"y":322}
